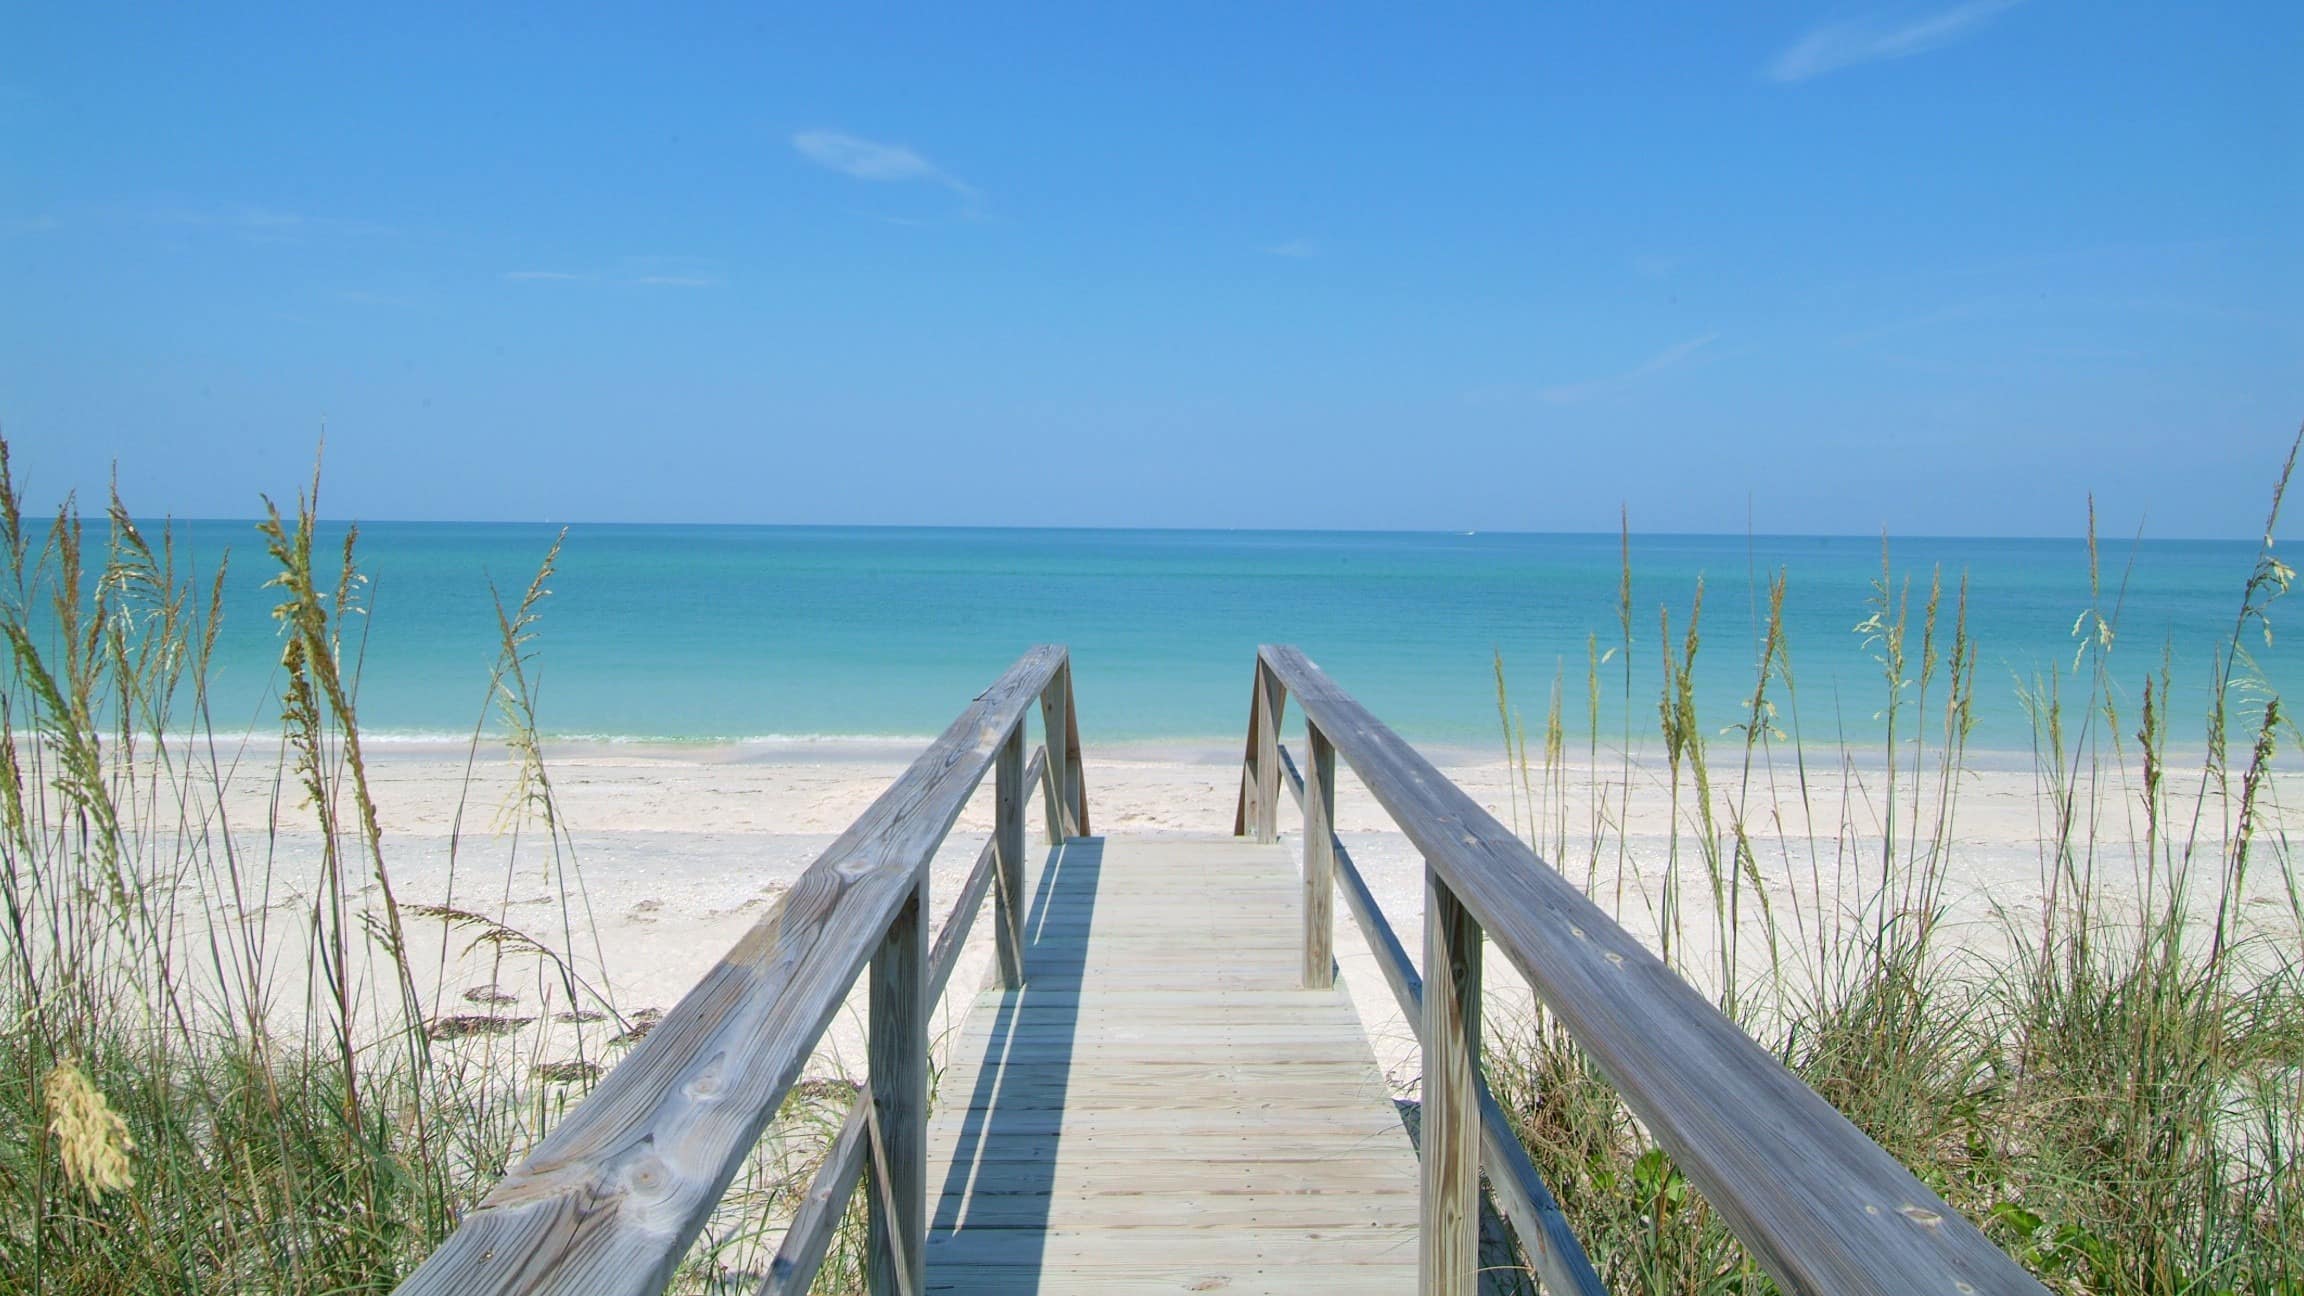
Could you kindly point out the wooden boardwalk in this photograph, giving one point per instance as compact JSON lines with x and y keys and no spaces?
{"x":1163,"y":1107}
{"x":1167,"y":1093}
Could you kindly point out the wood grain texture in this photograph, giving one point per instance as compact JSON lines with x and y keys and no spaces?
{"x":810,"y":1234}
{"x":1061,"y":823}
{"x":1060,"y":722}
{"x":1051,"y":813}
{"x":1075,"y":775}
{"x":1319,"y":801}
{"x":1055,"y":723}
{"x":1259,"y":809}
{"x":896,"y":1048}
{"x":1448,"y":1257}
{"x":1821,"y":1207}
{"x":610,"y":1200}
{"x":1271,"y":700}
{"x":1245,"y":810}
{"x":1008,"y":844}
{"x":952,"y":937}
{"x":1142,"y":1118}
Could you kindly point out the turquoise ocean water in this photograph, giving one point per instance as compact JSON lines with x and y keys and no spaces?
{"x":724,"y":633}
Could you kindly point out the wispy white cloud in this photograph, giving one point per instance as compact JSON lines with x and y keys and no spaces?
{"x":636,"y":271}
{"x":252,"y":222}
{"x":1670,"y":357}
{"x":1956,"y":313}
{"x":1299,"y":249}
{"x":863,"y":159}
{"x":1879,"y":36}
{"x":256,"y":222}
{"x":665,"y":271}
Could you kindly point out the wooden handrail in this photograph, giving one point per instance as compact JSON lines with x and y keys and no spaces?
{"x":944,"y":956}
{"x":1537,"y":1220}
{"x":809,"y":1235}
{"x":793,"y":1270}
{"x":612,"y":1198}
{"x":1821,"y":1207}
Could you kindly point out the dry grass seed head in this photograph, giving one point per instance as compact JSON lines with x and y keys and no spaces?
{"x":91,"y":1137}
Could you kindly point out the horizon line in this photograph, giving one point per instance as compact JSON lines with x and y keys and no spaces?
{"x":1869,"y":536}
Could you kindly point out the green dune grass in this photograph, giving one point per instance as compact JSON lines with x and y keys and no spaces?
{"x":2114,"y":1088}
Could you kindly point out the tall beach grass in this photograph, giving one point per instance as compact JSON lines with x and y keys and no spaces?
{"x":2110,"y":1078}
{"x":233,"y":1058}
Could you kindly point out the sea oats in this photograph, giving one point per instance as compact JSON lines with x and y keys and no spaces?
{"x":92,"y":1138}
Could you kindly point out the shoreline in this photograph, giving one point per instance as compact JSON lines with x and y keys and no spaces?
{"x":775,"y":749}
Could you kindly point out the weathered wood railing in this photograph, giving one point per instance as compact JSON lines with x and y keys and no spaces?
{"x":610,"y":1201}
{"x":1820,"y":1206}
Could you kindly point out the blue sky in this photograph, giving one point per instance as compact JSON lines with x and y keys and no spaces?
{"x":1943,"y":268}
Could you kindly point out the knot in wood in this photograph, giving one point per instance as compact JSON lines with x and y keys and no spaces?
{"x":648,"y":1179}
{"x":708,"y":1084}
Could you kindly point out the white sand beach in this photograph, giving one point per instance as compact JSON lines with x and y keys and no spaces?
{"x":679,"y":850}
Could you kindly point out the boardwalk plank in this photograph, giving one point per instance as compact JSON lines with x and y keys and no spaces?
{"x":1164,"y":1107}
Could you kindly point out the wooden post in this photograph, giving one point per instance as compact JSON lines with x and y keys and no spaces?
{"x":1050,"y":811}
{"x":1271,"y":700}
{"x":897,"y":1187}
{"x":1319,"y":859}
{"x":1448,"y":1255}
{"x":1054,"y":722}
{"x":1245,"y":818}
{"x":1075,"y":781}
{"x":1008,"y":871}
